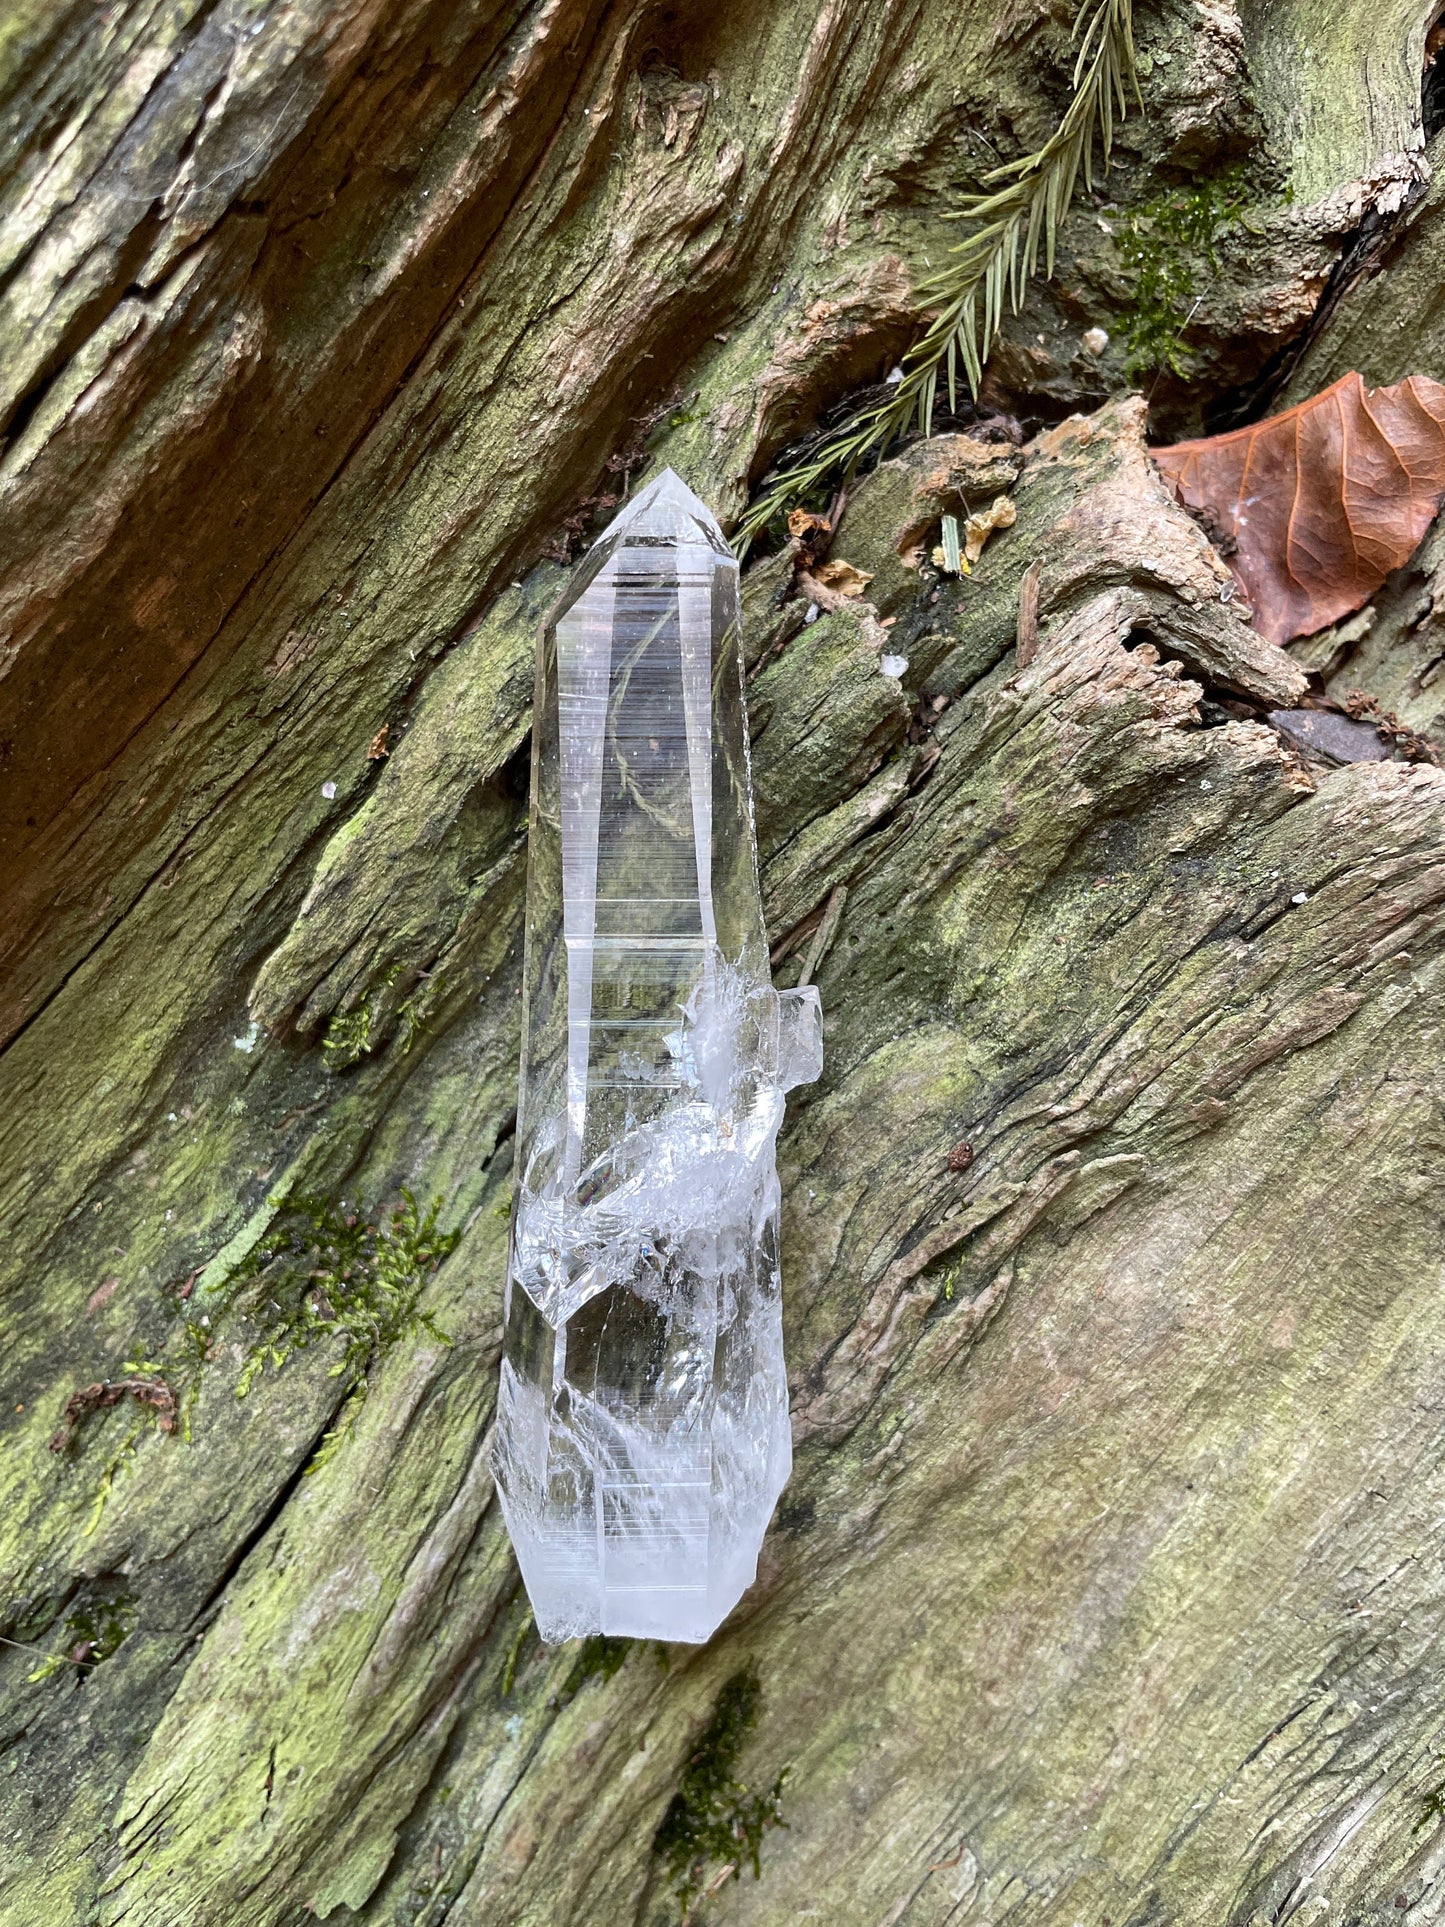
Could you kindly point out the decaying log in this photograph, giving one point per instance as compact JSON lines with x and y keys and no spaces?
{"x":1108,"y":1588}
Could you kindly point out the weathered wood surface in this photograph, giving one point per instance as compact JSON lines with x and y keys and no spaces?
{"x":1108,"y":1587}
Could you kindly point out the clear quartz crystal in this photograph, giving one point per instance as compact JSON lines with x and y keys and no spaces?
{"x":642,"y":1427}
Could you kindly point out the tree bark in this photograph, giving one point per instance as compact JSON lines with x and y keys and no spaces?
{"x":1108,"y":1587}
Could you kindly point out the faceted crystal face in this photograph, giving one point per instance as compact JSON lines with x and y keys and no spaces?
{"x":642,"y":1434}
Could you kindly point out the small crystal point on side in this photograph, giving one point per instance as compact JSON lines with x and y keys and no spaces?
{"x":642,"y":1436}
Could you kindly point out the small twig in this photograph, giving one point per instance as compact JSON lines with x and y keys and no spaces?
{"x":785,"y":945}
{"x":715,"y":1885}
{"x":1028,"y":629}
{"x":825,"y":933}
{"x":942,"y":1866}
{"x":65,"y":1659}
{"x":828,"y":601}
{"x":154,"y":1392}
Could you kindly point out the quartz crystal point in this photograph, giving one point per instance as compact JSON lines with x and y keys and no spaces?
{"x":642,"y":1426}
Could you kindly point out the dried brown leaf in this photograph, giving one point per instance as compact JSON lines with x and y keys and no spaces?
{"x":802,"y":522}
{"x":843,"y":577}
{"x":812,"y":533}
{"x":1313,"y":508}
{"x":979,"y":527}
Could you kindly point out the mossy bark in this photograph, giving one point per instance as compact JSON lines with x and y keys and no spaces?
{"x":1108,"y":1587}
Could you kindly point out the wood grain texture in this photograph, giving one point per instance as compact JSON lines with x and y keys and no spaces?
{"x":1108,"y":1586}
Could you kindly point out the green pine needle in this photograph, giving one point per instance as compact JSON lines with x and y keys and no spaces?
{"x":1017,"y":219}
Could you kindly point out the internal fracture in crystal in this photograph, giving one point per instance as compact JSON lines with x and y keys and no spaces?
{"x":642,"y":1431}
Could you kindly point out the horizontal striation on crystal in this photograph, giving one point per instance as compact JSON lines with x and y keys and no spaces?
{"x":642,"y":1435}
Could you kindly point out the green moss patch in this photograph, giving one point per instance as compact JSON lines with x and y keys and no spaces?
{"x":327,"y":1271}
{"x":94,"y":1629}
{"x":1167,"y":246}
{"x":714,"y":1824}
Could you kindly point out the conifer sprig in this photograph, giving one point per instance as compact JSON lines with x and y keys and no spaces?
{"x":1016,"y":219}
